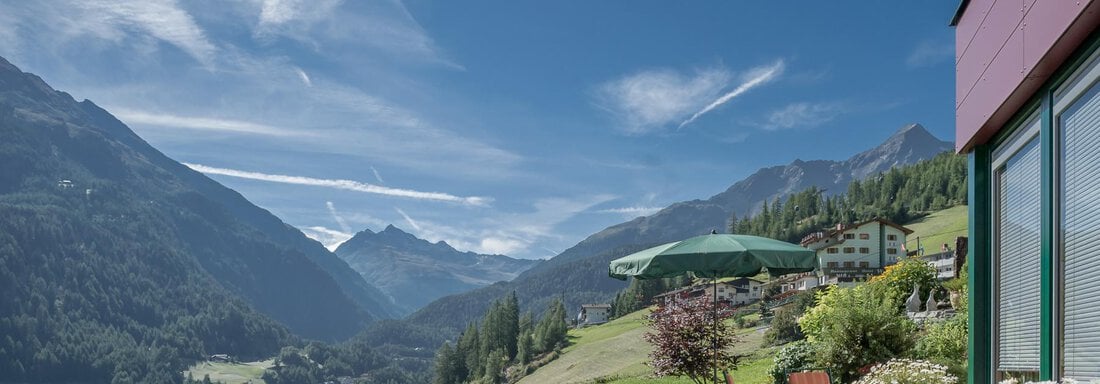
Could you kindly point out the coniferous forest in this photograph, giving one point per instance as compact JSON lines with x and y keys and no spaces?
{"x":483,"y":354}
{"x":899,"y":195}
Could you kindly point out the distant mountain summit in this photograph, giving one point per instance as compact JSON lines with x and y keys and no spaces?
{"x":580,"y":271}
{"x":414,"y":272}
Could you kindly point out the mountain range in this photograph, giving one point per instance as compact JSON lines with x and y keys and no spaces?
{"x":414,"y":272}
{"x":579,"y":273}
{"x":112,"y":253}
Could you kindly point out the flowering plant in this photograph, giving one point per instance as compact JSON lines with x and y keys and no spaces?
{"x":1064,"y":381}
{"x":906,"y":371}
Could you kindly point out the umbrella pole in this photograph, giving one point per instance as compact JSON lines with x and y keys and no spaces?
{"x":714,"y":312}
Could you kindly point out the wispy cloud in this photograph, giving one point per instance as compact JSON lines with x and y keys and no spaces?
{"x":929,"y":53}
{"x":330,"y":238}
{"x":377,"y":176}
{"x":336,"y":216}
{"x":639,"y":211}
{"x":349,"y":185}
{"x":753,"y":79}
{"x":408,"y":219}
{"x":803,"y":115}
{"x":304,"y":76}
{"x":648,"y":101}
{"x":162,"y":19}
{"x":130,"y":116}
{"x":384,"y":25}
{"x":276,"y":12}
{"x":507,"y":233}
{"x":631,"y":212}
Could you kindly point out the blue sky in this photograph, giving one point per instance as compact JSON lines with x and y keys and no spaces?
{"x":500,"y":127}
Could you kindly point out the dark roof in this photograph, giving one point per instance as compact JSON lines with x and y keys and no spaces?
{"x":959,"y":12}
{"x":595,"y":305}
{"x":741,"y":280}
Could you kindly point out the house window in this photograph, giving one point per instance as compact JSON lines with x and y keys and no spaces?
{"x":849,"y":249}
{"x":891,"y":251}
{"x":1078,"y":132}
{"x":1016,"y":254}
{"x":865,"y":236}
{"x":849,"y":264}
{"x":849,"y":236}
{"x":832,"y":264}
{"x":892,"y":237}
{"x":864,"y":264}
{"x":831,"y":250}
{"x":864,"y":250}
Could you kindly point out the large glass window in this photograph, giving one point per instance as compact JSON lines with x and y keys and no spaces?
{"x":1078,"y":132}
{"x":1017,"y":170}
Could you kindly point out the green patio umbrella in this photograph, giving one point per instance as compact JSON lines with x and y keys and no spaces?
{"x":715,"y":255}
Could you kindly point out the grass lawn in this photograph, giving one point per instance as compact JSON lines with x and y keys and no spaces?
{"x":616,"y":353}
{"x":938,"y":228}
{"x":231,"y":373}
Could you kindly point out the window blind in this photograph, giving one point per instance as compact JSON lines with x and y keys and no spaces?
{"x":1018,"y":224}
{"x":1080,"y":185}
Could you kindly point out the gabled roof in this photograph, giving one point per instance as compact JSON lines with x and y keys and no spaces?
{"x":595,"y":306}
{"x":740,"y":281}
{"x":845,"y":228}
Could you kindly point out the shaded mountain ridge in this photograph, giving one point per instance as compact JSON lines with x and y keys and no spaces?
{"x":77,"y":185}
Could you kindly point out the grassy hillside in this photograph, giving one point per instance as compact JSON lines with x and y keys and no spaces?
{"x":616,"y":353}
{"x":938,"y":228}
{"x":230,"y":373}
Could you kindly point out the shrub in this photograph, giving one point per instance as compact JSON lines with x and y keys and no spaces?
{"x":945,"y":343}
{"x":855,"y":327}
{"x":683,"y":341}
{"x":794,"y":357}
{"x":898,"y":279}
{"x":784,"y":329}
{"x":905,"y":371}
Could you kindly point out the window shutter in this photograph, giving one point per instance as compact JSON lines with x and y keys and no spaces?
{"x":1018,"y":226}
{"x":1080,"y":181}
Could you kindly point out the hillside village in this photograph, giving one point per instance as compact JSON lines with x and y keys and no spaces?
{"x":751,"y":308}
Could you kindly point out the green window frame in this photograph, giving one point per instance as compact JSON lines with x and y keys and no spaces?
{"x":1076,"y":136}
{"x":1048,"y":103}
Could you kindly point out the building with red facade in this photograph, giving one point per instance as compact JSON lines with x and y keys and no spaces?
{"x":1027,"y":110}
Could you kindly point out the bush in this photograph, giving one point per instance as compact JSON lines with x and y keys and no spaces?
{"x":945,"y":343}
{"x":898,"y":279}
{"x":683,"y":335}
{"x":794,"y":357}
{"x":784,"y":329}
{"x":905,"y":371}
{"x":855,"y":327}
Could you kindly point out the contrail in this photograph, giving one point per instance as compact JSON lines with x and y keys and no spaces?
{"x":757,"y":77}
{"x":350,"y":185}
{"x":408,"y":219}
{"x":336,"y":216}
{"x":377,"y":175}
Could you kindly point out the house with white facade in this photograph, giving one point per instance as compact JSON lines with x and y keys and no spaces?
{"x":852,"y":253}
{"x":736,"y":292}
{"x":592,"y":314}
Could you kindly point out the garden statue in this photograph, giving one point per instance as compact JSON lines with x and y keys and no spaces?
{"x":913,"y":304}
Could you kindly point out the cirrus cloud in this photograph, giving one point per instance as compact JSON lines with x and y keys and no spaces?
{"x":349,"y":185}
{"x":651,"y":101}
